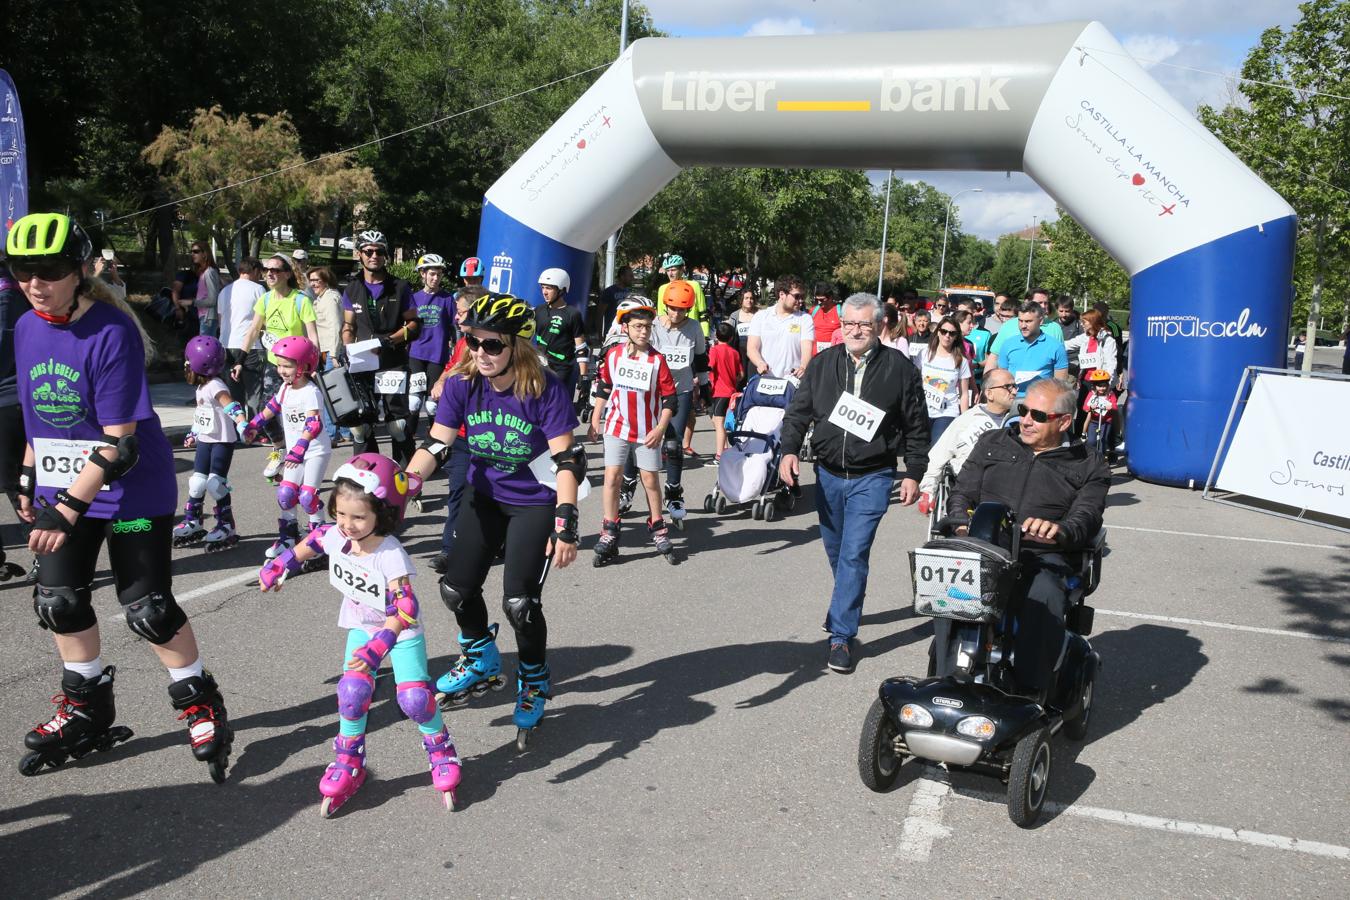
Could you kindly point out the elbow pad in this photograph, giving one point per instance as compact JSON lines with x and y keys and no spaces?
{"x":273,"y":405}
{"x":438,"y":449}
{"x":583,"y":353}
{"x":572,"y":460}
{"x":312,"y":427}
{"x":402,"y":602}
{"x":601,"y":389}
{"x":314,"y":540}
{"x":670,"y":403}
{"x":128,"y":452}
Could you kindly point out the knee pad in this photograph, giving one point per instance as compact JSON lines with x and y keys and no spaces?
{"x":522,"y":611}
{"x":417,"y":701}
{"x":216,"y":486}
{"x":674,"y":451}
{"x":354,"y":691}
{"x":288,"y":494}
{"x":155,"y":617}
{"x":414,"y":403}
{"x":452,"y":598}
{"x":360,"y":433}
{"x":63,"y":610}
{"x":398,"y":429}
{"x":198,"y":483}
{"x":309,"y":500}
{"x":431,"y":408}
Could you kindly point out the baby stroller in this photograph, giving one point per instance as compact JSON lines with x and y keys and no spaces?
{"x":748,"y":472}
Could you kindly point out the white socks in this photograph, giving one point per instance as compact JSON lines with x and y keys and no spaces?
{"x":91,"y":669}
{"x":186,"y":672}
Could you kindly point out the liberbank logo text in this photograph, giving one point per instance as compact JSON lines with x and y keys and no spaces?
{"x":706,"y":92}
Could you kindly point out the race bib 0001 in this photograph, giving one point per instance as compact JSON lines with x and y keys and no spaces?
{"x":59,"y":462}
{"x":633,"y":374}
{"x":856,"y":416}
{"x":353,"y":578}
{"x":391,"y":381}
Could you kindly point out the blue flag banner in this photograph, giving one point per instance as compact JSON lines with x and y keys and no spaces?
{"x":13,"y":156}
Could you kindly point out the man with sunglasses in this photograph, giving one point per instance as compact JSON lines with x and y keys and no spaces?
{"x":956,"y":442}
{"x":1033,"y":352}
{"x":825,"y":315}
{"x":867,"y":405}
{"x":782,"y":338}
{"x":1056,"y":488}
{"x":379,"y":306}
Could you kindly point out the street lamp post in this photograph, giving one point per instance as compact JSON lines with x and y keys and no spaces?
{"x":612,"y":245}
{"x":1031,"y":252}
{"x":885,"y":224}
{"x":942,"y":266}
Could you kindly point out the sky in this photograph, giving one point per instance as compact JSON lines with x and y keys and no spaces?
{"x":1214,"y":35}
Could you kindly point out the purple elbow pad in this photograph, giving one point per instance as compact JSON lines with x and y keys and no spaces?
{"x":314,"y":540}
{"x":402,"y":602}
{"x":354,"y":691}
{"x":313,"y":425}
{"x":373,"y":651}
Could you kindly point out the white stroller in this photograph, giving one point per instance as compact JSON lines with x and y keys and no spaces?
{"x":748,"y":472}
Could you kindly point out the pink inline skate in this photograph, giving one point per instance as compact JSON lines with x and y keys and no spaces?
{"x":344,"y":775}
{"x":444,"y":763}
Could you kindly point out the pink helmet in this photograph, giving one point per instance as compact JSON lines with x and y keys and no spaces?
{"x":381,"y":477}
{"x":299,"y":350}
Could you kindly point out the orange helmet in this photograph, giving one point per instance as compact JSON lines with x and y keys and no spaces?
{"x":1098,"y":375}
{"x":680,"y":295}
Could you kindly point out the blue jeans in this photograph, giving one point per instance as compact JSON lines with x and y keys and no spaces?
{"x":850,"y":509}
{"x":938,"y":425}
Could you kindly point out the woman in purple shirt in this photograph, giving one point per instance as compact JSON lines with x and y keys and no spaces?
{"x":524,"y":472}
{"x":427,"y":353}
{"x":97,"y":468}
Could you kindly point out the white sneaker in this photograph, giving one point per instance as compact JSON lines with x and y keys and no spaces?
{"x":273,"y":464}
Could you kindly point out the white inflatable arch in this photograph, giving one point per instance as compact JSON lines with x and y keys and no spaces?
{"x":1208,"y":245}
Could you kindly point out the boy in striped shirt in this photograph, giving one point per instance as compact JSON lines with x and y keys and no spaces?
{"x":637,"y":394}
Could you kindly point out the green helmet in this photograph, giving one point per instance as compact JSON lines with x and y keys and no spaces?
{"x":501,"y":313}
{"x":42,"y":236}
{"x":672,"y":259}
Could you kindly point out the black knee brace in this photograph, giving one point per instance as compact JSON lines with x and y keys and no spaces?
{"x":155,"y":617}
{"x":63,"y":610}
{"x":674,"y":451}
{"x":521,"y":611}
{"x":452,"y":598}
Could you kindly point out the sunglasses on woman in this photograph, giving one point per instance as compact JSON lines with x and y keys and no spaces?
{"x":490,"y":346}
{"x":1038,"y":415}
{"x":948,"y":332}
{"x":45,"y":270}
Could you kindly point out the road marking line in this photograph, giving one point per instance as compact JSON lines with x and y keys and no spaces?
{"x":1225,"y":537}
{"x":1229,"y":626}
{"x":1179,"y":826}
{"x":824,"y":105}
{"x":923,"y":822}
{"x":234,"y":580}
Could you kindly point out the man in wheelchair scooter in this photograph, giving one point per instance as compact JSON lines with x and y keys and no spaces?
{"x":1057,"y":488}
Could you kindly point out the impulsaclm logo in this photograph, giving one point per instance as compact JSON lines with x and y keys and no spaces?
{"x":1167,"y":327}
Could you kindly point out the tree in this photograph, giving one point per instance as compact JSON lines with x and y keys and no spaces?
{"x":1297,"y":138}
{"x":214,"y":151}
{"x":1009,"y":275}
{"x":970,"y":260}
{"x":1076,"y":265}
{"x":859,"y":270}
{"x":918,"y":214}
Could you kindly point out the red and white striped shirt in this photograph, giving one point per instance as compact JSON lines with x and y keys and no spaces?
{"x":637,"y":382}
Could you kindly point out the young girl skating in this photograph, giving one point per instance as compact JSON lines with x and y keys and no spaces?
{"x":214,"y":432}
{"x":369,"y":567}
{"x":298,"y":403}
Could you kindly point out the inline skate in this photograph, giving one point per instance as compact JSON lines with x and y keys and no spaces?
{"x":198,"y":700}
{"x":344,"y":775}
{"x":532,"y":692}
{"x":478,"y":668}
{"x":83,"y":722}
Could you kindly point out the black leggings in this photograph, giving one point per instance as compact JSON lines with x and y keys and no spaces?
{"x":11,"y":450}
{"x":139,"y":552}
{"x":484,"y":526}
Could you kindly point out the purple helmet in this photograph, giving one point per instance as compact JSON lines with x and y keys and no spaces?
{"x":299,"y":350}
{"x":381,"y":477}
{"x":205,"y":356}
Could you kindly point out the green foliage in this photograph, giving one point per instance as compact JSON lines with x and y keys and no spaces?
{"x":1077,"y":265}
{"x":858,"y":271}
{"x":1299,"y":142}
{"x":1009,"y":275}
{"x":970,"y":260}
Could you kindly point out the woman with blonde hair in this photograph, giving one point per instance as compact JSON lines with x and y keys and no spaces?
{"x":524,"y":473}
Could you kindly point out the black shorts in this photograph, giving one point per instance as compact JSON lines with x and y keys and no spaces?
{"x":720,"y":405}
{"x":140,"y":554}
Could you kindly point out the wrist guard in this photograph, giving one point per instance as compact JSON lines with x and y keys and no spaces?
{"x":565,"y":523}
{"x":275,"y":571}
{"x":373,"y":651}
{"x":74,"y":503}
{"x":297,"y":453}
{"x":48,"y":519}
{"x":28,"y":481}
{"x":402,"y":603}
{"x":235,"y":410}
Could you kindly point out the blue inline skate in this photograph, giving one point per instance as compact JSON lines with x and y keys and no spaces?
{"x":478,"y":668}
{"x":531,"y":693}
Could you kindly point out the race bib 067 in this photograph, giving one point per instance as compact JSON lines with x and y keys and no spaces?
{"x":205,"y":420}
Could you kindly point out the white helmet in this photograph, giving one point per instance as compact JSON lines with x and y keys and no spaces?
{"x":558,"y":278}
{"x":430,"y":261}
{"x":368,"y":238}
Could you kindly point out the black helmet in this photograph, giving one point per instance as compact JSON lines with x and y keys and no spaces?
{"x":501,"y":313}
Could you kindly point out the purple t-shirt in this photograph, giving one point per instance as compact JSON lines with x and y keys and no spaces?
{"x":436,"y":312}
{"x":503,"y":434}
{"x":376,"y":291}
{"x":72,"y":380}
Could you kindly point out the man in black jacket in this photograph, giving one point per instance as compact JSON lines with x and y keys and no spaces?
{"x":867,"y":404}
{"x":1057,"y":489}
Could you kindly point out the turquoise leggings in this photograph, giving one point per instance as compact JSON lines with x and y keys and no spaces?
{"x":409,"y":658}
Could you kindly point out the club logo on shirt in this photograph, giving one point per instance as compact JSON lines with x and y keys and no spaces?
{"x":56,"y":396}
{"x":500,"y":439}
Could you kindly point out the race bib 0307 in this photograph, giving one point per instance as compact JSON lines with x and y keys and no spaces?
{"x":856,"y":416}
{"x":59,"y":462}
{"x":391,"y":381}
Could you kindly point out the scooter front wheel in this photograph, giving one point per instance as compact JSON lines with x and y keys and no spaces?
{"x":1029,"y":778}
{"x":878,"y":761}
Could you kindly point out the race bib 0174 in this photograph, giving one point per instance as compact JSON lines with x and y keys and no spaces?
{"x":856,"y":416}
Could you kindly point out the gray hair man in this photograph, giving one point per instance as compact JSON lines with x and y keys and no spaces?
{"x":866,"y":403}
{"x":1056,"y":489}
{"x":959,"y":439}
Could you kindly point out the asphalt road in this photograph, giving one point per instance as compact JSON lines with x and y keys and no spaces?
{"x":697,"y":745}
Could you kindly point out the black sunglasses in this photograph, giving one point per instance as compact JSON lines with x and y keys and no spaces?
{"x":1038,"y":415}
{"x":491,"y":346}
{"x":276,"y":270}
{"x":45,"y":270}
{"x":373,"y":251}
{"x":948,"y":332}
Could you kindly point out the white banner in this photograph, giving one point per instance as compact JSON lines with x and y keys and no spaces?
{"x":1292,"y":445}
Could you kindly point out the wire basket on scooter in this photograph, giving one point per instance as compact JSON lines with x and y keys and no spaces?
{"x":962,"y":578}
